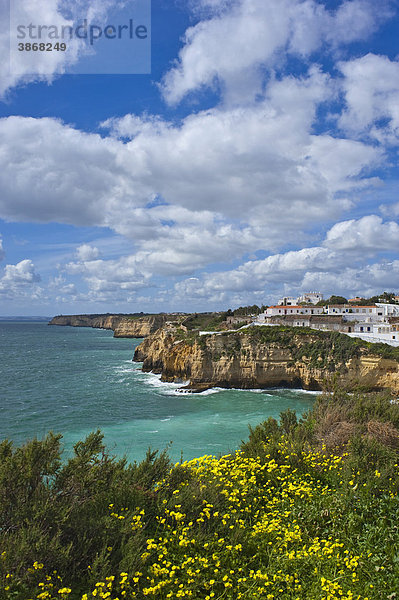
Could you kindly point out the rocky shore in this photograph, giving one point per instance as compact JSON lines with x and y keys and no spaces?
{"x":263,"y":357}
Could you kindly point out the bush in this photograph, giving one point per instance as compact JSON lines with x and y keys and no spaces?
{"x":287,"y":516}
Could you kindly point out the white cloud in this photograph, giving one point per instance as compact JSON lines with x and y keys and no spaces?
{"x":259,"y":175}
{"x":52,"y":172}
{"x":85,"y":252}
{"x":232,"y":48}
{"x":26,"y":67}
{"x":224,"y":183}
{"x":366,"y":280}
{"x":337,"y":265}
{"x":371,"y":89}
{"x":21,"y":273}
{"x":2,"y":253}
{"x":390,"y":210}
{"x":46,"y":64}
{"x":20,"y":280}
{"x":366,"y":236}
{"x":110,"y":279}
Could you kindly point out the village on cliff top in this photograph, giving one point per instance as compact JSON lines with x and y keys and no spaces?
{"x":376,"y":322}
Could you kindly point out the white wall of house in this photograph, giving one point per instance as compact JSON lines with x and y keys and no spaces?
{"x":377,"y":312}
{"x":313,"y":297}
{"x":287,"y":301}
{"x":366,"y":322}
{"x":278,"y":311}
{"x":389,"y":310}
{"x":392,"y":339}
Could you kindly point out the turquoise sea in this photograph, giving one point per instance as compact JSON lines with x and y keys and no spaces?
{"x":73,"y":380}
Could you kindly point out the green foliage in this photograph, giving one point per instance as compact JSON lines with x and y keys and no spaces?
{"x":248,"y":310}
{"x":335,"y":300}
{"x":305,"y":508}
{"x":204,"y":321}
{"x":59,"y":513}
{"x":325,"y":349}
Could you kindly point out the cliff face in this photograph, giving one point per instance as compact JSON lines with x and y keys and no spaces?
{"x":97,"y":321}
{"x":123,"y":326}
{"x":140,"y":326}
{"x":242,"y":360}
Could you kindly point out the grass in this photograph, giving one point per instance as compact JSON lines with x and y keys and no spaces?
{"x":204,"y":321}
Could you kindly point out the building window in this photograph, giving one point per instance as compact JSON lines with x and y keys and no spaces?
{"x":368,"y":328}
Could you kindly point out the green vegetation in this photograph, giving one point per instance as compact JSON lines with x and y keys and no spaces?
{"x":323,"y":349}
{"x":204,"y":321}
{"x":216,"y":321}
{"x":333,"y":300}
{"x":324,"y":346}
{"x":384,"y":297}
{"x":304,"y":509}
{"x":248,"y":310}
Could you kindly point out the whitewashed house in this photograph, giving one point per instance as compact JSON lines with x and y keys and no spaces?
{"x":310,"y":298}
{"x":278,"y":311}
{"x":287,"y":301}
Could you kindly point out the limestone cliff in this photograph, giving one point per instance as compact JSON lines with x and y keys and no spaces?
{"x":122,"y":325}
{"x":262,"y":357}
{"x":138,"y":327}
{"x":106,"y":321}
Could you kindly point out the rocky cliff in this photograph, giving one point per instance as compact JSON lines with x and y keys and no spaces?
{"x":98,"y":321}
{"x":122,"y":325}
{"x":138,"y":327}
{"x":262,"y":357}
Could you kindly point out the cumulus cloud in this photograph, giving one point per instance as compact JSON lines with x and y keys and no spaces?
{"x":371,"y":91}
{"x":110,"y":278}
{"x":57,"y":173}
{"x":236,"y":164}
{"x":257,"y":173}
{"x":26,"y":67}
{"x":21,"y":273}
{"x":85,"y":252}
{"x":233,"y":47}
{"x":321,"y":267}
{"x":20,"y":280}
{"x":365,"y":236}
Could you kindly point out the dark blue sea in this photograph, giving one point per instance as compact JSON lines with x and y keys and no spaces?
{"x":73,"y":380}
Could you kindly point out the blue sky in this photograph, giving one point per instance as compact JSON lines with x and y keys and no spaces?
{"x":258,"y":158}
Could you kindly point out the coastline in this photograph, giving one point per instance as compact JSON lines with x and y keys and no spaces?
{"x":267,"y":358}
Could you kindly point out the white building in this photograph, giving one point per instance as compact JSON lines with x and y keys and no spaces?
{"x":287,"y":301}
{"x":373,"y":323}
{"x":278,"y":311}
{"x":375,"y":312}
{"x":310,"y":297}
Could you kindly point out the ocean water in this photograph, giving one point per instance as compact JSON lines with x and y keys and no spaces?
{"x":74,"y":380}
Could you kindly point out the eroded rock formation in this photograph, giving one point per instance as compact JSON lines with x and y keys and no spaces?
{"x":262,"y":357}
